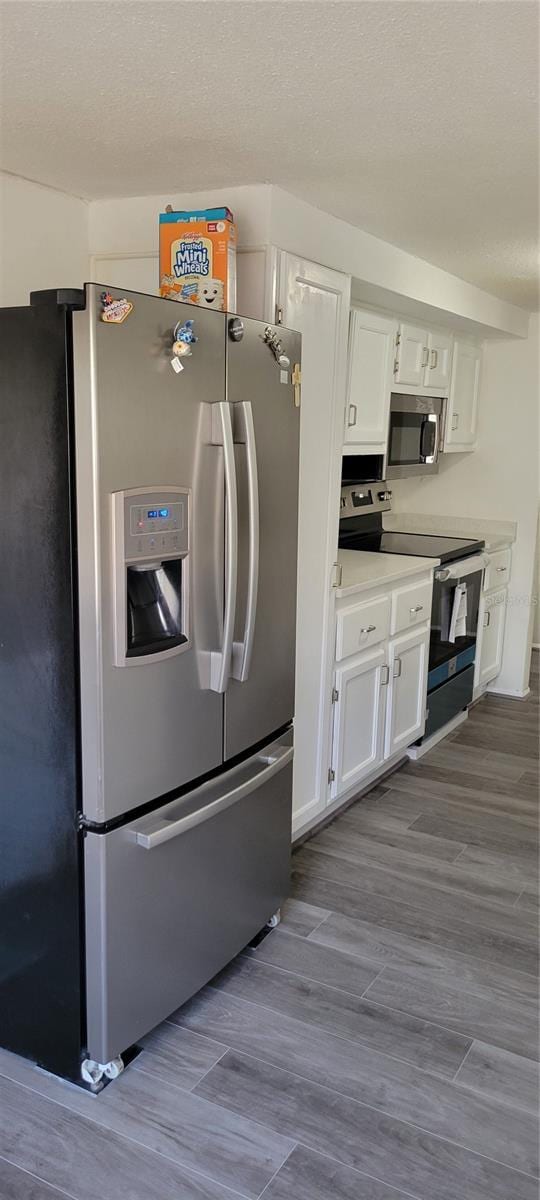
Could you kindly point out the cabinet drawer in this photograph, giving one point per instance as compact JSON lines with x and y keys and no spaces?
{"x":411,"y":605}
{"x":362,"y":625}
{"x":497,"y":573}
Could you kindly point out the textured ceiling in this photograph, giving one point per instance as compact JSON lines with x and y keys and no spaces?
{"x":416,"y":121}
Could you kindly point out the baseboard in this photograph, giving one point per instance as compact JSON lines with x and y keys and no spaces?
{"x":416,"y":752}
{"x":507,"y":692}
{"x":306,"y":829}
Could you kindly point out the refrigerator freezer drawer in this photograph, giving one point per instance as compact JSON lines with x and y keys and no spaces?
{"x":173,"y":896}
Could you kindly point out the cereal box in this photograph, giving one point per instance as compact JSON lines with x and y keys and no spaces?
{"x":197,"y":257}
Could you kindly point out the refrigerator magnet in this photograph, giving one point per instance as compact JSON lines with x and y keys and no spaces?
{"x":113,"y":310}
{"x":183,"y":339}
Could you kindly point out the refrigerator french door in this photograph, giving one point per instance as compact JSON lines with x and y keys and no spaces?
{"x":179,"y":511}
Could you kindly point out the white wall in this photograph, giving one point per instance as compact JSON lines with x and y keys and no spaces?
{"x":43,"y":239}
{"x":384,"y":274}
{"x":131,"y":226}
{"x":498,"y":481}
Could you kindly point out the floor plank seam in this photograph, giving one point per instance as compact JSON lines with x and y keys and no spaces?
{"x":280,"y":1168}
{"x":154,"y":1074}
{"x":473,"y":957}
{"x":530,"y":943}
{"x":464,"y":1059}
{"x":362,"y":1104}
{"x":236,"y":1195}
{"x":310,"y":978}
{"x":371,"y":861}
{"x":374,"y":1004}
{"x":39,"y":1178}
{"x":431,"y":1072}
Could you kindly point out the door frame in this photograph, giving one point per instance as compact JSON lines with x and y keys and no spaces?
{"x":329,"y":472}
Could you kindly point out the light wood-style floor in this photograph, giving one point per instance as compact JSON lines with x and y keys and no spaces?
{"x":379,"y":1045}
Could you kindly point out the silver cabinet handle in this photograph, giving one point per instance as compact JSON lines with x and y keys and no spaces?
{"x":245,"y":432}
{"x":352,"y":415}
{"x":165,"y":831}
{"x":222,"y":435}
{"x":455,"y":420}
{"x":487,"y":619}
{"x":368,"y":629}
{"x":498,"y":569}
{"x":385,"y":675}
{"x":417,"y":608}
{"x":397,"y":663}
{"x":425,"y":356}
{"x":434,"y":359}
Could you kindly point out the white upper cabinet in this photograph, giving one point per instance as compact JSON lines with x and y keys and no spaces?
{"x":371,"y":356}
{"x":439,"y":364}
{"x":423,"y":360}
{"x":462,"y":411}
{"x":412,"y":356}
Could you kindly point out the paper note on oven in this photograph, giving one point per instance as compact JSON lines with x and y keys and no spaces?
{"x":458,"y":620}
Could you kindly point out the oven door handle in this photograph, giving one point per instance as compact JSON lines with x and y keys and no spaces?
{"x":461,"y":568}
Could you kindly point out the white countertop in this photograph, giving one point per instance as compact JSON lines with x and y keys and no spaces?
{"x":365,"y":569}
{"x":497,"y":535}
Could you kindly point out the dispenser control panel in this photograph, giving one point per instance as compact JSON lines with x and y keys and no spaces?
{"x":166,"y":518}
{"x":156,"y":524}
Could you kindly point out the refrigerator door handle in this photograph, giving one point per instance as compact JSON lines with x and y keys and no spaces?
{"x":222,"y":435}
{"x":245,"y":432}
{"x":166,"y":831}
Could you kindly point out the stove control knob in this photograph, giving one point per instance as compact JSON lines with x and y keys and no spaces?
{"x":386,"y":495}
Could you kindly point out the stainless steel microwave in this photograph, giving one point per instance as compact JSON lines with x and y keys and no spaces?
{"x":414,"y":435}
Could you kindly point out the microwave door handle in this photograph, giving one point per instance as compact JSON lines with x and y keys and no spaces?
{"x":222,"y":435}
{"x":427,"y":450}
{"x":242,"y":651}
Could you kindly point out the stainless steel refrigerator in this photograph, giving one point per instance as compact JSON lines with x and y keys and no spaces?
{"x":148,"y":530}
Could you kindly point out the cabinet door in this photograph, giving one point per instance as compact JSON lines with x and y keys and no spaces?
{"x":407,"y":690}
{"x":437,"y":371}
{"x":316,"y":301}
{"x":358,"y":719}
{"x":371,"y":354}
{"x":492,"y":636}
{"x":461,"y":417}
{"x":411,"y":355}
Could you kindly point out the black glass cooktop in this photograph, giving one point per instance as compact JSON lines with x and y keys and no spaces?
{"x":429,"y":545}
{"x":421,"y":545}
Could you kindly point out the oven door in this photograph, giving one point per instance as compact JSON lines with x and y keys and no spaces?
{"x":414,"y":436}
{"x":454,"y":618}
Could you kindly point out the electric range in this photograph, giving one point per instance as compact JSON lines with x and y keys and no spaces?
{"x":460,"y":563}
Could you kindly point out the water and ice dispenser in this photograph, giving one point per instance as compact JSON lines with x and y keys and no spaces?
{"x":151,"y":533}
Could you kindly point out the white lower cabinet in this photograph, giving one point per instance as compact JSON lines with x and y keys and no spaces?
{"x":379,"y":692}
{"x":407,"y":689}
{"x":360,"y":701}
{"x":492,"y":618}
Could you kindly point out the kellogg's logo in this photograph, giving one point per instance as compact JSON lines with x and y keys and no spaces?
{"x":191,"y":259}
